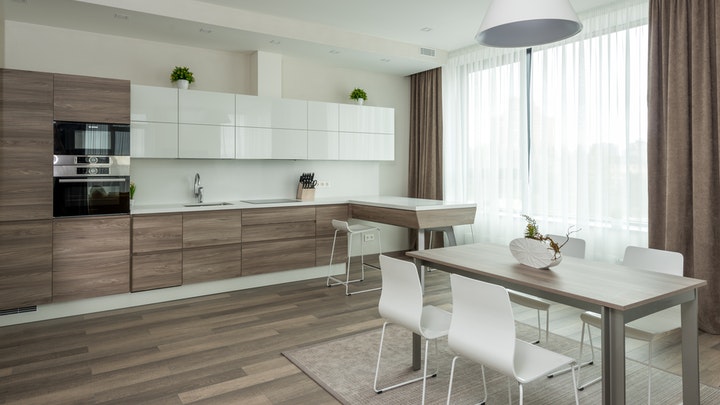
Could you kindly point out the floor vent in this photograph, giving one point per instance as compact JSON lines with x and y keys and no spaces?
{"x":21,"y":310}
{"x":427,"y":52}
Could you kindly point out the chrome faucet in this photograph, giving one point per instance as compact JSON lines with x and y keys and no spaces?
{"x":197,"y":189}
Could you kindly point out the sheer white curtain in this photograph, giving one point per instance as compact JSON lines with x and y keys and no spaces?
{"x":581,"y":160}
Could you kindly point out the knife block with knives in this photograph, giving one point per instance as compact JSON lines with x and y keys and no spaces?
{"x":306,"y":187}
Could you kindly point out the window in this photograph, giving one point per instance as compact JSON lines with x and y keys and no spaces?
{"x":556,"y":132}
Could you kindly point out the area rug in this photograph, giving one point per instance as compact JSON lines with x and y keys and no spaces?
{"x":345,"y":367}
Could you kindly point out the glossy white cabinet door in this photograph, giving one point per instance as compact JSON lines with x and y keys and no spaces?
{"x":206,"y":107}
{"x":153,"y":140}
{"x":366,"y":146}
{"x":358,"y":118}
{"x":270,"y":143}
{"x":267,"y":112}
{"x":322,"y":145}
{"x":322,"y":116}
{"x":156,"y":104}
{"x":253,"y":143}
{"x":206,"y":141}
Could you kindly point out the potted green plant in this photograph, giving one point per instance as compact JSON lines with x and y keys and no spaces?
{"x":182,"y":76}
{"x":358,"y":95}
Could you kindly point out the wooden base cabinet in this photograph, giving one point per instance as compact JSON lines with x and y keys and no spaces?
{"x":91,"y":257}
{"x":211,"y":245}
{"x":25,"y":263}
{"x":324,"y":232}
{"x":157,"y":251}
{"x":277,"y":239}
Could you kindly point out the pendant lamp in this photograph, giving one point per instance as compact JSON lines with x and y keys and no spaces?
{"x":526,"y":23}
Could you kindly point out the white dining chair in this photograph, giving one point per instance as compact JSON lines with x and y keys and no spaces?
{"x":401,"y":303}
{"x":574,"y":247}
{"x":649,"y":328}
{"x":483,"y":330}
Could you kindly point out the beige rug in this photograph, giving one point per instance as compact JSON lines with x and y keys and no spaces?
{"x":345,"y":367}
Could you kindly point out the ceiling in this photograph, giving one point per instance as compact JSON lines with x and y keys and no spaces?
{"x":388,"y":36}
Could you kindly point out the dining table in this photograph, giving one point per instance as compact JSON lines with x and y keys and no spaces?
{"x":619,"y":293}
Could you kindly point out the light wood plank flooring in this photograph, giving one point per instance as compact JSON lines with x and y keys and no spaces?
{"x":224,"y":348}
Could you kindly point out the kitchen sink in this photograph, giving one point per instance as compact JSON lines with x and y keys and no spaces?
{"x":208,"y":204}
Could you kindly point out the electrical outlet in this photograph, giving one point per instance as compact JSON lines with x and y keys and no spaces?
{"x":323,"y":184}
{"x":368,"y":237}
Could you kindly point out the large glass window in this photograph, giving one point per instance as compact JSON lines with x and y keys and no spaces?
{"x":557,"y":132}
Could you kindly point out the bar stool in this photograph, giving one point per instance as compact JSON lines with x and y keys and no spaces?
{"x":350,"y":230}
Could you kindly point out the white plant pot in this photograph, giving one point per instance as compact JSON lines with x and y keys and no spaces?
{"x":534,"y":253}
{"x":182,"y":84}
{"x":360,"y":101}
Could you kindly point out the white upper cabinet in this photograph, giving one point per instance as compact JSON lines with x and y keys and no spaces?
{"x":322,"y":131}
{"x":153,"y":104}
{"x":323,"y":116}
{"x":374,"y":120}
{"x":172,"y":123}
{"x":206,"y":141}
{"x":153,"y":140}
{"x":267,"y":112}
{"x":270,"y":143}
{"x":206,"y":107}
{"x":365,"y":146}
{"x":154,"y":117}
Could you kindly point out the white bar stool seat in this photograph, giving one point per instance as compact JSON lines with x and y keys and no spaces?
{"x":351,"y":230}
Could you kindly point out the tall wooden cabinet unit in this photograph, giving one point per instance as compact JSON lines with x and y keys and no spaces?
{"x":91,"y":257}
{"x":26,"y":145}
{"x":26,"y":149}
{"x":25,"y":263}
{"x":324,"y":233}
{"x":156,"y":251}
{"x":211,"y":245}
{"x":91,"y":99}
{"x":277,"y":239}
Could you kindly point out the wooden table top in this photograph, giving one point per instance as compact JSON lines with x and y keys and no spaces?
{"x":604,"y":284}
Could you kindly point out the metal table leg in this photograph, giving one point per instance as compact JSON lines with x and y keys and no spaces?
{"x":613,"y":357}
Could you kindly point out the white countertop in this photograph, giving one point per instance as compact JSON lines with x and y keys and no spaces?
{"x":404,"y":203}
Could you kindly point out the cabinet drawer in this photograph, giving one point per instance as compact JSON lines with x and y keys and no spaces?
{"x":25,"y":263}
{"x":265,"y":216}
{"x":267,"y":257}
{"x":152,"y":233}
{"x":156,"y":270}
{"x":324,"y":216}
{"x":323,"y":248}
{"x":211,"y":228}
{"x":211,"y":263}
{"x":291,"y":230}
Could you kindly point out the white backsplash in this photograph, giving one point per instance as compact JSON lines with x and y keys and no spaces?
{"x":170,"y":181}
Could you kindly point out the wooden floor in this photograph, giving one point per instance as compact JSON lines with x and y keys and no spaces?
{"x":223,"y":349}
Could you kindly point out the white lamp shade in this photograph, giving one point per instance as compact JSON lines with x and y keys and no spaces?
{"x":526,"y":23}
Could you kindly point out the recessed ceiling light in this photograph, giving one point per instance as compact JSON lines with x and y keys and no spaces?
{"x":205,"y":31}
{"x":426,"y":29}
{"x":334,"y":52}
{"x":121,"y":16}
{"x":385,"y":60}
{"x":274,"y":42}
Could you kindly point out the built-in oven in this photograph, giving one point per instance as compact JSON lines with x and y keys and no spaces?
{"x":91,"y":185}
{"x":91,"y":169}
{"x":91,"y":139}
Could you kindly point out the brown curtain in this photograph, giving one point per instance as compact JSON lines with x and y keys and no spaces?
{"x":683,"y":142}
{"x":426,"y":144}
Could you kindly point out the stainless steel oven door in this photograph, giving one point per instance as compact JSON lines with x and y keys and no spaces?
{"x":98,"y":195}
